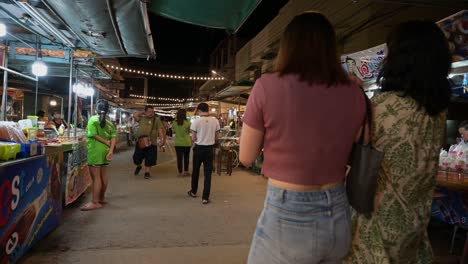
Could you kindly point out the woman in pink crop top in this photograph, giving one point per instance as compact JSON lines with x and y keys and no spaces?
{"x":305,"y":116}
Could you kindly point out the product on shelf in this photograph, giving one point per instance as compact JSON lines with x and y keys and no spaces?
{"x":11,"y":131}
{"x":9,"y":150}
{"x":456,"y":159}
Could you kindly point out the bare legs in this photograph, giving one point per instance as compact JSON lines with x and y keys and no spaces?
{"x":100,"y":182}
{"x":97,"y":183}
{"x":104,"y":184}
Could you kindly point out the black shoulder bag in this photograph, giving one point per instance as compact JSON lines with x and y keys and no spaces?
{"x":361,"y":182}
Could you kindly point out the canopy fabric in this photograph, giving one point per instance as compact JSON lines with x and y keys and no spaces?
{"x":225,"y":14}
{"x":234,"y":91}
{"x":92,"y":21}
{"x":113,"y":28}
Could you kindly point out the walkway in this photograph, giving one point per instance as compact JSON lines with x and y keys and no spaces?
{"x":154,"y":221}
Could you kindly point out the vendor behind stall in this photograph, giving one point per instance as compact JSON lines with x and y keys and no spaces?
{"x":57,"y":121}
{"x":9,"y":105}
{"x":41,"y":114}
{"x":463,"y":130}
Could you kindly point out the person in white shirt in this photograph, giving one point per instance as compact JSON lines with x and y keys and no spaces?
{"x":205,"y":132}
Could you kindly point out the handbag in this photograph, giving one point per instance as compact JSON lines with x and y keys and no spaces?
{"x":365,"y":160}
{"x":145,"y":141}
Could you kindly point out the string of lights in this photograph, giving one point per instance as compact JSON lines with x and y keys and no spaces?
{"x":178,"y":100}
{"x":164,"y":75}
{"x":163,"y":105}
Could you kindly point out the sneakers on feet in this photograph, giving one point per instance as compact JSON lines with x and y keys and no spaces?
{"x":137,"y":170}
{"x":147,"y":175}
{"x":191,"y":194}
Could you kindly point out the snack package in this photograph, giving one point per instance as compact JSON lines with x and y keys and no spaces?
{"x":11,"y":131}
{"x":460,"y":162}
{"x":443,"y":160}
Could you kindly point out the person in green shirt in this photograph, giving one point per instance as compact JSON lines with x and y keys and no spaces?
{"x":183,"y":142}
{"x":149,"y":126}
{"x":101,"y":135}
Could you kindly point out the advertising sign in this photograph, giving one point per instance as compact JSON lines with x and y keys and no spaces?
{"x":78,"y":178}
{"x":30,"y":204}
{"x":455,"y":29}
{"x":365,"y":64}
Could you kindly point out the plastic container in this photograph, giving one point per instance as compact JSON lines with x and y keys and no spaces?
{"x":9,"y":150}
{"x":31,"y":149}
{"x":33,"y":120}
{"x":41,"y":125}
{"x":25,"y":123}
{"x":33,"y":133}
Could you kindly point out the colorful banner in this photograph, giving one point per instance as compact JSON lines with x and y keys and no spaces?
{"x":365,"y":64}
{"x":78,"y":177}
{"x":455,"y":29}
{"x":78,"y":180}
{"x":30,"y":204}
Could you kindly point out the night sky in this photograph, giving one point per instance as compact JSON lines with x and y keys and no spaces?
{"x":181,"y":48}
{"x":185,"y":49}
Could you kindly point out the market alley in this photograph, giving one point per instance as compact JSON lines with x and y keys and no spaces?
{"x":154,"y":221}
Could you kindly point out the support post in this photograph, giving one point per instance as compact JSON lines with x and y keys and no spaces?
{"x":70,"y":92}
{"x":37,"y":78}
{"x":5,"y":84}
{"x":75,"y":116}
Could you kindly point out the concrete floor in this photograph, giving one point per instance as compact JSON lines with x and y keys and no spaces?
{"x":154,"y":221}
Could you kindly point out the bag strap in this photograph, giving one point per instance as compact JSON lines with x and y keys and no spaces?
{"x":152,"y":126}
{"x":368,"y":118}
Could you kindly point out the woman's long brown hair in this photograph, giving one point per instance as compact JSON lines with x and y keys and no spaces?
{"x":181,"y":116}
{"x":308,"y":48}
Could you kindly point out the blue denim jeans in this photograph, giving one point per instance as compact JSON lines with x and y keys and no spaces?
{"x":302,"y":227}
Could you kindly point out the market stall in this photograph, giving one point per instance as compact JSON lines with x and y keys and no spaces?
{"x":227,"y":150}
{"x":123,"y":120}
{"x":41,"y":170}
{"x":30,"y":191}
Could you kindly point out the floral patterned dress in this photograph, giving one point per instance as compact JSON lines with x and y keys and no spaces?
{"x":411,"y":141}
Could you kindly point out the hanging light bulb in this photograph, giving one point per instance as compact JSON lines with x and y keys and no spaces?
{"x":3,"y":30}
{"x":39,"y":68}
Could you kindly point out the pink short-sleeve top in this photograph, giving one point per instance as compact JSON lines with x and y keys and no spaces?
{"x":309,"y":129}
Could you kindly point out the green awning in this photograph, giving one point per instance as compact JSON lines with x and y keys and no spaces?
{"x":225,"y":14}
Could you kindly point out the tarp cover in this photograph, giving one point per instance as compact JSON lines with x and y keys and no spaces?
{"x":93,"y":16}
{"x":226,"y":14}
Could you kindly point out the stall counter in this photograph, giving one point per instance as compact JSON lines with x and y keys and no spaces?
{"x":31,"y":203}
{"x":75,"y":174}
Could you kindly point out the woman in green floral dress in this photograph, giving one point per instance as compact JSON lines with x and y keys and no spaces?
{"x":409,"y":127}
